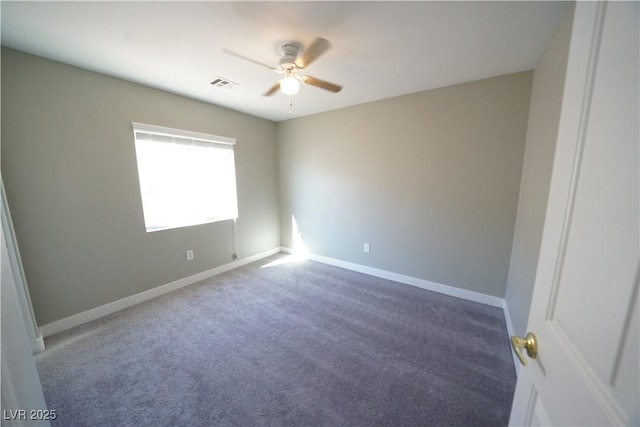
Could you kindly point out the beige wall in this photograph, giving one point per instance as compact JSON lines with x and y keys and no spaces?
{"x":544,"y":117}
{"x":430,"y":180}
{"x":69,"y":168}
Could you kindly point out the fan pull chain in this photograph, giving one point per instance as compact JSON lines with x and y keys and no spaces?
{"x":290,"y":104}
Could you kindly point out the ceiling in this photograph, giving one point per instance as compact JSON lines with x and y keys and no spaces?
{"x":379,"y":49}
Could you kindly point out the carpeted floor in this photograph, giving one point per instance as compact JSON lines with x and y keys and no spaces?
{"x":292,"y":344}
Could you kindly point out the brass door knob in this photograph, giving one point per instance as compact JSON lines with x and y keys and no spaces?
{"x":529,"y":342}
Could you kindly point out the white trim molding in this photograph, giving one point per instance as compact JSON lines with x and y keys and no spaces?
{"x":15,"y":261}
{"x":511,"y":332}
{"x":409,"y":280}
{"x":428,"y":285}
{"x":104,"y":310}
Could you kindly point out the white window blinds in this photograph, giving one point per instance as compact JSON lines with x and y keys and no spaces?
{"x":186,"y":178}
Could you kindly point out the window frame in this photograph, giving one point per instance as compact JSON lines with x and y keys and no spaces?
{"x":184,"y":137}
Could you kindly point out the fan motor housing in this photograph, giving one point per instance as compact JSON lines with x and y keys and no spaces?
{"x":289,"y":54}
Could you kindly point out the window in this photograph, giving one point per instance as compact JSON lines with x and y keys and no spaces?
{"x":186,"y":178}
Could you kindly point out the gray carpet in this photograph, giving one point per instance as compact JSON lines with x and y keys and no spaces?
{"x":298,"y":344}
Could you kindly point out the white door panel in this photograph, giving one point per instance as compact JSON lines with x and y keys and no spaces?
{"x":585,"y":303}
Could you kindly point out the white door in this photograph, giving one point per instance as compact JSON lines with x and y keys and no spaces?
{"x":585,"y":303}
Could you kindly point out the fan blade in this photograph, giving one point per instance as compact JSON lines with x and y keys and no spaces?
{"x":317,"y":48}
{"x":322,"y":84}
{"x":273,"y":89}
{"x":237,"y":55}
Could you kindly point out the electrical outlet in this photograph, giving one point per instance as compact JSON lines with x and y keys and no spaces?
{"x":190,"y":255}
{"x":366,"y":248}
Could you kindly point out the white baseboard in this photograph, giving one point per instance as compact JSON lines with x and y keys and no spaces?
{"x":510,"y":332}
{"x":104,"y":310}
{"x":408,"y":280}
{"x":425,"y":284}
{"x":39,"y":344}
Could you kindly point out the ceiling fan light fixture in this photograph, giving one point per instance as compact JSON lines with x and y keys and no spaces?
{"x":289,"y":85}
{"x":291,"y":64}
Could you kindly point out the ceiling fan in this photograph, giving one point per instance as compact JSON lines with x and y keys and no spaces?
{"x":291,"y":65}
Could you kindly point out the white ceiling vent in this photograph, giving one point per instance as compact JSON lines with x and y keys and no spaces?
{"x":223,"y":83}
